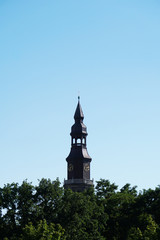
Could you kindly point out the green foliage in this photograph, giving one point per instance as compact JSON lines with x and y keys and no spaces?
{"x":47,"y":211}
{"x":105,"y":189}
{"x":149,"y":230}
{"x":83,"y":214}
{"x":127,"y":189}
{"x":25,"y":203}
{"x":43,"y":231}
{"x":135,"y":234}
{"x":9,"y":195}
{"x":48,"y":197}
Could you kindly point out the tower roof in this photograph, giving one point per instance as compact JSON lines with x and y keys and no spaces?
{"x":78,"y":129}
{"x":78,"y":113}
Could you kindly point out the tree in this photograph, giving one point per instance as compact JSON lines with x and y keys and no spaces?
{"x":135,"y":234}
{"x":43,"y":231}
{"x":105,"y":189}
{"x":81,"y":216}
{"x":44,"y":211}
{"x":118,"y":206}
{"x":149,"y":229}
{"x":48,"y":198}
{"x":25,"y":203}
{"x":9,"y":197}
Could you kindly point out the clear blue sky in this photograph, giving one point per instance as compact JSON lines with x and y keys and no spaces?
{"x":109,"y":51}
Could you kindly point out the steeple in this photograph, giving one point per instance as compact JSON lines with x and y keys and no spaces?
{"x":78,"y":159}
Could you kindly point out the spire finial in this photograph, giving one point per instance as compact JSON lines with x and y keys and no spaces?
{"x":78,"y":96}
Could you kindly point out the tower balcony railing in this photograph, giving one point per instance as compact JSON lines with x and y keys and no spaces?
{"x":79,"y":181}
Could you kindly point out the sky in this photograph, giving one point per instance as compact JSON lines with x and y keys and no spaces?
{"x":108,"y":52}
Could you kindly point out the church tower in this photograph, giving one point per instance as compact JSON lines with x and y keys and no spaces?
{"x":78,"y":161}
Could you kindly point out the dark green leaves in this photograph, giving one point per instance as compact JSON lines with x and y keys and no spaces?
{"x":47,"y":211}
